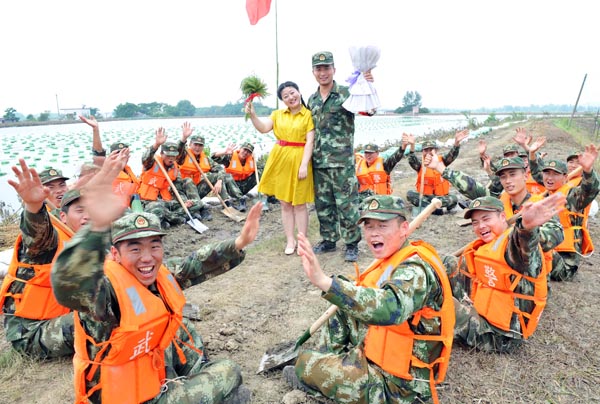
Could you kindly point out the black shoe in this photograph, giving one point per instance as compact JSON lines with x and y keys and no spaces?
{"x":205,"y":214}
{"x":272,"y":199}
{"x":351,"y":253}
{"x":324,"y":246}
{"x":438,"y":212}
{"x":241,"y":395}
{"x":242,"y":204}
{"x":165,"y":225}
{"x":289,"y":375}
{"x":463,"y":204}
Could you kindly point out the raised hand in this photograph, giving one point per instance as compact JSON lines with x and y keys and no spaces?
{"x":522,"y":138}
{"x":90,"y":121}
{"x":230,"y":148}
{"x":460,"y":136}
{"x":251,"y":226}
{"x":311,"y":265}
{"x":538,"y":213}
{"x":482,"y":147}
{"x":434,"y":162}
{"x":537,"y":144}
{"x":161,"y":136}
{"x":588,"y":157}
{"x":29,"y":187}
{"x":186,"y":131}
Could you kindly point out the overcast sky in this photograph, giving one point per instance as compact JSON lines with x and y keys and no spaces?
{"x":456,"y":54}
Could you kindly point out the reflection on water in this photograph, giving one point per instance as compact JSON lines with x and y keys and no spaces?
{"x":68,"y":146}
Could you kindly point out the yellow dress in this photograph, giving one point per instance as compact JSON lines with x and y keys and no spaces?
{"x":280,"y":176}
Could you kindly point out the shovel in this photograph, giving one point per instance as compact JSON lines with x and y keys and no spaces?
{"x":286,"y":353}
{"x":228,"y":211}
{"x":194,"y":223}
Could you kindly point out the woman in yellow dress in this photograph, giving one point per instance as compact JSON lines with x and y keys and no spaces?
{"x":288,"y":171}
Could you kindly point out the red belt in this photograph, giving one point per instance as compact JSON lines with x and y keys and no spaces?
{"x":286,"y":143}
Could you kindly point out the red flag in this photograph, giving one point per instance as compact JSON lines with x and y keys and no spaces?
{"x":257,"y":9}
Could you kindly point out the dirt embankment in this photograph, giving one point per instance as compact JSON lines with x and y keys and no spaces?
{"x":267,"y":301}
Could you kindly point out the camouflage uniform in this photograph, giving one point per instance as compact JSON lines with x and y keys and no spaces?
{"x":171,"y":211}
{"x":471,"y":329}
{"x":244,"y":185}
{"x":448,"y":201}
{"x":79,"y":282}
{"x":42,"y":339}
{"x":578,"y":198}
{"x":338,"y":364}
{"x":388,"y":165}
{"x":229,"y":189}
{"x":335,"y":183}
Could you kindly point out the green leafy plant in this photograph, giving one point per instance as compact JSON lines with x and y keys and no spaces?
{"x":253,"y":87}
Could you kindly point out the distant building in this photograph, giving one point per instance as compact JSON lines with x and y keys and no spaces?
{"x":73,"y":113}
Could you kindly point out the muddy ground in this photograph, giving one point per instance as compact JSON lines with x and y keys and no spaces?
{"x":267,"y":301}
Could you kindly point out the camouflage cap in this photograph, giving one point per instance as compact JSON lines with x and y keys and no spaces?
{"x":118,"y":146}
{"x":371,"y":148}
{"x":197,"y":139}
{"x":523,"y":154}
{"x":322,"y":58}
{"x":51,"y":174}
{"x":573,"y":154}
{"x":510,"y":148}
{"x":555,"y":165}
{"x":248,"y":146}
{"x":69,"y":197}
{"x":382,"y":207}
{"x":429,"y":144}
{"x":169,"y":149}
{"x":136,"y":225}
{"x":488,"y":203}
{"x":509,"y":162}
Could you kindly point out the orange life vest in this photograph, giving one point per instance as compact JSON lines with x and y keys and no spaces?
{"x":240,"y":171}
{"x":509,"y":212}
{"x":494,"y":283}
{"x":391,"y":347}
{"x":533,"y":187}
{"x":566,"y":216}
{"x":434,"y":184}
{"x":36,"y":301}
{"x":373,"y":177}
{"x":131,"y":362}
{"x":188,"y":168}
{"x":153,"y":182}
{"x":126,"y":184}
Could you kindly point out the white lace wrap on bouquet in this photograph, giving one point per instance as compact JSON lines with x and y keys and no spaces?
{"x":363,"y":95}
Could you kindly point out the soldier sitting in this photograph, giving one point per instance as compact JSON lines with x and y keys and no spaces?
{"x":374,"y":172}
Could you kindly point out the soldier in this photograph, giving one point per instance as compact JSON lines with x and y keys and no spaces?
{"x":512,"y":177}
{"x":154,"y":189}
{"x":379,"y":348}
{"x":500,"y":284}
{"x":127,"y":182}
{"x":127,"y":354}
{"x":580,"y":193}
{"x":222,"y":183}
{"x":240,"y":164}
{"x":435,"y":186}
{"x":56,"y":182}
{"x":374,"y":172}
{"x":34,"y":322}
{"x":335,"y":183}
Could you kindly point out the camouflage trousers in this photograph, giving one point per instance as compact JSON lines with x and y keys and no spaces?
{"x":247,"y":184}
{"x":567,"y":271}
{"x":198,"y":380}
{"x":41,"y":339}
{"x":448,"y":201}
{"x":171,"y":211}
{"x":336,"y":203}
{"x":339,"y":370}
{"x":229,"y":188}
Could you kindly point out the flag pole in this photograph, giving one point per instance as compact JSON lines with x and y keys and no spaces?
{"x":276,"y":59}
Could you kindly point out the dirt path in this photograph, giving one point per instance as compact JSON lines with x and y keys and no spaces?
{"x":267,"y":301}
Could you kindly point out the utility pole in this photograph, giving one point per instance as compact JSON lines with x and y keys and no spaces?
{"x":276,"y":59}
{"x":57,"y":108}
{"x":577,"y":102}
